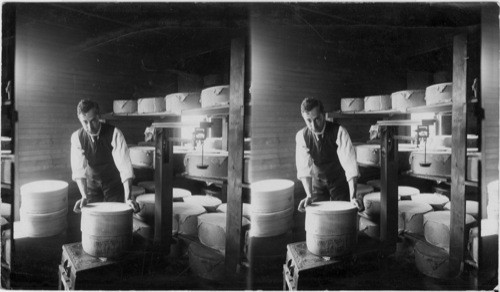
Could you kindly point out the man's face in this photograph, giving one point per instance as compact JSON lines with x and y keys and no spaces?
{"x":90,"y":121}
{"x":315,"y":120}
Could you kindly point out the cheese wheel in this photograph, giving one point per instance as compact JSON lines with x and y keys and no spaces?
{"x":440,"y":163}
{"x":272,"y":195}
{"x":406,"y":191}
{"x":124,"y":106}
{"x":177,"y":102}
{"x":142,"y":156}
{"x":362,"y":189}
{"x":492,"y":207}
{"x":438,"y":93}
{"x":212,"y":230}
{"x":271,"y":224}
{"x":471,"y":208}
{"x":402,"y":100}
{"x":206,"y":263}
{"x":437,"y":201}
{"x":432,"y":261}
{"x":245,"y":210}
{"x":369,"y":227}
{"x":368,"y":154}
{"x":43,"y":224}
{"x":410,"y":216}
{"x":137,"y":191}
{"x":147,"y":203}
{"x":372,"y":201}
{"x":352,"y":104}
{"x":185,"y":218}
{"x":472,"y":173}
{"x":44,"y":196}
{"x":150,"y":105}
{"x":437,"y":228}
{"x":208,"y":202}
{"x":148,"y":185}
{"x":215,"y":96}
{"x":142,"y":229}
{"x":377,"y":102}
{"x":331,"y":218}
{"x":375,"y":183}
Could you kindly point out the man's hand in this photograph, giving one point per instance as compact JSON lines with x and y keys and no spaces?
{"x":134,"y":205}
{"x":358,"y":202}
{"x":79,"y":205}
{"x":304,"y":203}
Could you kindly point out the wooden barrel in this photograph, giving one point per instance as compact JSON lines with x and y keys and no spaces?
{"x":212,"y":230}
{"x":272,"y":195}
{"x":432,"y":261}
{"x":206,"y":263}
{"x":271,"y":224}
{"x":43,"y":225}
{"x":331,"y":228}
{"x":106,"y":229}
{"x":45,"y":196}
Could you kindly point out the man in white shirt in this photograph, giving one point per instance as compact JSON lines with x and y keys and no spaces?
{"x":100,"y":160}
{"x":325,"y":158}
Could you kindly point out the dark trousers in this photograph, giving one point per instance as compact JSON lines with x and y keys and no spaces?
{"x":323,"y":190}
{"x":109,"y":191}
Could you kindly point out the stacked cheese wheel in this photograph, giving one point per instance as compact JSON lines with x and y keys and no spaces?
{"x":351,"y":104}
{"x":402,"y":100}
{"x":44,"y":205}
{"x":215,"y":96}
{"x":438,"y":93}
{"x":177,"y":102}
{"x":271,"y":207}
{"x":432,"y":255}
{"x":124,"y":106}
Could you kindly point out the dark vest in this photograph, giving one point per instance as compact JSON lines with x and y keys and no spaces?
{"x":326,"y":164}
{"x":101,"y":166}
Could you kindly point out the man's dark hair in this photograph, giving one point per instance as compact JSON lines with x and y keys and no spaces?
{"x":85,"y":105}
{"x":309,"y":103}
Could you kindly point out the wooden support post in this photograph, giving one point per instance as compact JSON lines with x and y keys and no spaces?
{"x":164,"y":175}
{"x":389,"y":189}
{"x":458,"y":154}
{"x":235,"y":159}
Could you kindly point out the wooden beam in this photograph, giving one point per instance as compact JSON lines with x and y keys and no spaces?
{"x":458,"y":154}
{"x":389,"y":189}
{"x":164,"y":175}
{"x":235,"y":159}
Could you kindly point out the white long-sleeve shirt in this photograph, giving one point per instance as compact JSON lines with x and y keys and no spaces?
{"x":120,"y":154}
{"x":345,"y":152}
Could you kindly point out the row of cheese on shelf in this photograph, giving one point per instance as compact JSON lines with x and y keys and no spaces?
{"x":174,"y":103}
{"x":409,"y":157}
{"x":399,"y":101}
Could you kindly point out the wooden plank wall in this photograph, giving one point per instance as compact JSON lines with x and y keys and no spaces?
{"x":50,"y":79}
{"x":489,"y":98}
{"x":287,"y":64}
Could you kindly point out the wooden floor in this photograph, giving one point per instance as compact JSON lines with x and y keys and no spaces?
{"x":36,"y":260}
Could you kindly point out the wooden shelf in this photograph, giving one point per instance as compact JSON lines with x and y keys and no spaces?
{"x":209,"y":111}
{"x":214,"y":180}
{"x":374,"y":114}
{"x":405,"y":122}
{"x":435,"y":108}
{"x":136,"y":116}
{"x":445,"y":179}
